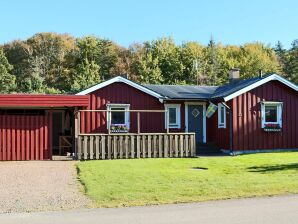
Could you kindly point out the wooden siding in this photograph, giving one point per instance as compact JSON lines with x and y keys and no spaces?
{"x":25,"y":137}
{"x":120,"y":93}
{"x":39,"y":100}
{"x":129,"y":146}
{"x":247,"y":132}
{"x":218,"y":136}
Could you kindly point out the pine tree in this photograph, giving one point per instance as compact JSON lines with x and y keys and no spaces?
{"x":292,"y":65}
{"x":211,"y":63}
{"x":282,"y":57}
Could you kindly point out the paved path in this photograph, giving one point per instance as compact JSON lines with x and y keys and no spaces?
{"x":27,"y":186}
{"x":274,"y":210}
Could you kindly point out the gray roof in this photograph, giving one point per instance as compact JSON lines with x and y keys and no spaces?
{"x":229,"y":89}
{"x":184,"y":91}
{"x":201,"y":92}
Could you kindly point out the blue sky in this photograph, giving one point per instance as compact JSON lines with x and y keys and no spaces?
{"x":125,"y":22}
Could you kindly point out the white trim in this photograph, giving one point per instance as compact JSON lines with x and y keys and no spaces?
{"x":204,"y":117}
{"x":178,"y":115}
{"x":123,"y":80}
{"x":271,"y":102}
{"x":261,"y":82}
{"x":119,"y":105}
{"x":279,"y":112}
{"x":220,"y":123}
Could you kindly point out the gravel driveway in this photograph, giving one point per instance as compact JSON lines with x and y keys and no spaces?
{"x":39,"y":186}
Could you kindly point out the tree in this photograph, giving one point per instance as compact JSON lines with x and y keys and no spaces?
{"x":158,"y":62}
{"x":291,"y":67}
{"x":87,"y":70}
{"x":148,"y":70}
{"x":55,"y":55}
{"x":42,"y":63}
{"x":212,"y":64}
{"x":255,"y":57}
{"x":55,"y":63}
{"x":191,"y":55}
{"x":281,"y":54}
{"x":107,"y":57}
{"x":87,"y":74}
{"x":123,"y":64}
{"x":211,"y":59}
{"x":18,"y":54}
{"x":7,"y":80}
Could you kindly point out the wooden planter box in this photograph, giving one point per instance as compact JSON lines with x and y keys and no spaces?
{"x":119,"y":131}
{"x":272,"y":129}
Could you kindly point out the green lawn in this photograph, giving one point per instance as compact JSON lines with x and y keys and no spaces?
{"x":113,"y":183}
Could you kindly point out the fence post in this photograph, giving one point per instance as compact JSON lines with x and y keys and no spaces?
{"x":77,"y":131}
{"x":109,"y":121}
{"x":138,"y":117}
{"x":85,"y":147}
{"x":193,"y":145}
{"x":79,"y":152}
{"x":167,"y":121}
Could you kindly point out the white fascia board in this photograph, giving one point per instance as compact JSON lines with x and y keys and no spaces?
{"x":261,"y":82}
{"x":123,"y":80}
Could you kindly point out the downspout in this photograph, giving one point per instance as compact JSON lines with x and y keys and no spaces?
{"x":231,"y":132}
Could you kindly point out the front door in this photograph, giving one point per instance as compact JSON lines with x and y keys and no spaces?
{"x":195,"y":121}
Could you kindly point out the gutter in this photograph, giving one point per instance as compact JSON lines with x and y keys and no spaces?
{"x":189,"y":100}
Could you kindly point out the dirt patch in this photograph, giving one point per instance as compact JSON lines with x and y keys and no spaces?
{"x":39,"y":186}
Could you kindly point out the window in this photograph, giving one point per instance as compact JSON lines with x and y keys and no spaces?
{"x":174,"y":115}
{"x":271,"y":114}
{"x":117,"y":117}
{"x":221,"y":116}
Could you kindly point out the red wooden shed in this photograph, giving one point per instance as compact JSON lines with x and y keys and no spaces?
{"x":31,"y":124}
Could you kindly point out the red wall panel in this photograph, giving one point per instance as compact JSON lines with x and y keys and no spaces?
{"x":25,"y":137}
{"x":247,"y":131}
{"x":124,"y":94}
{"x":218,"y":136}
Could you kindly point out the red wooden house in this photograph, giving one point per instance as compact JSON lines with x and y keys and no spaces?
{"x":249,"y":115}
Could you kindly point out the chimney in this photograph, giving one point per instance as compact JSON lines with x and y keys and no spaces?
{"x":234,"y":75}
{"x":124,"y":75}
{"x":260,"y":74}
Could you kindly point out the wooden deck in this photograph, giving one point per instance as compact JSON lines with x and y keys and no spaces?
{"x":130,"y":145}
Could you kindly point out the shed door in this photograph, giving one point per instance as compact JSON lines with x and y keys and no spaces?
{"x":24,"y":137}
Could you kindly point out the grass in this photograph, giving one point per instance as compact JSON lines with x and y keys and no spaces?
{"x":114,"y":183}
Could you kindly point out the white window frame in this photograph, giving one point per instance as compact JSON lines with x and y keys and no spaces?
{"x":178,"y":115}
{"x":279,"y":112}
{"x":221,"y":124}
{"x":118,"y":105}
